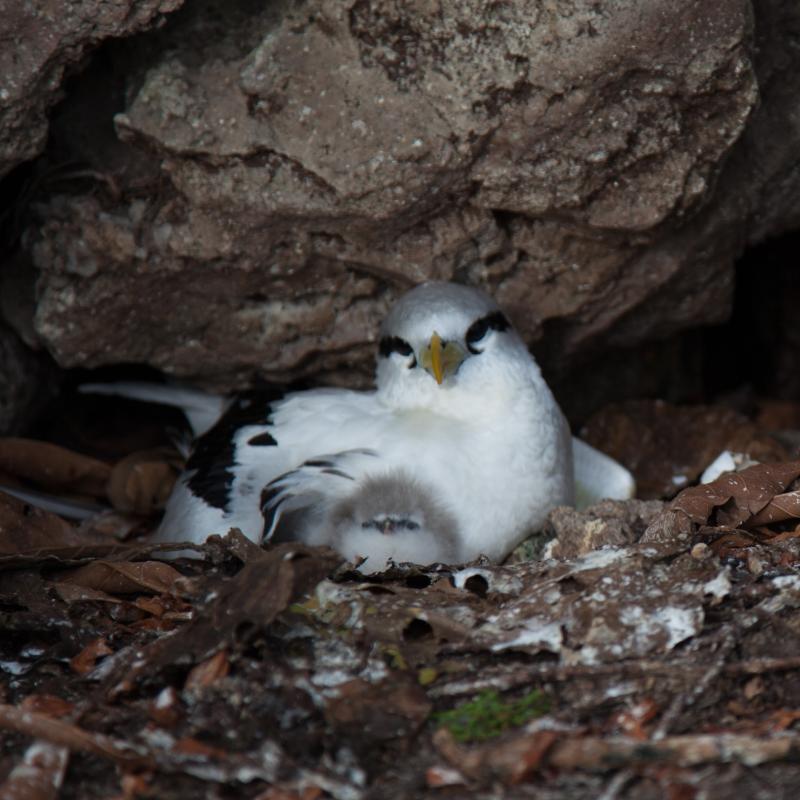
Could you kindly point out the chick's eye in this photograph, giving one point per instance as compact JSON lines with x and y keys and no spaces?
{"x":495,"y":321}
{"x":394,"y":344}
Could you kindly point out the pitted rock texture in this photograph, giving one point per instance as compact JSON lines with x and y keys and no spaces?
{"x":315,"y":158}
{"x":40,"y":43}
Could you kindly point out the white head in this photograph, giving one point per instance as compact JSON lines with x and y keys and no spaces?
{"x":444,"y":346}
{"x":394,"y":517}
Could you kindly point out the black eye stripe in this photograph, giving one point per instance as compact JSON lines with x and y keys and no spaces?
{"x":495,"y":321}
{"x":394,"y":344}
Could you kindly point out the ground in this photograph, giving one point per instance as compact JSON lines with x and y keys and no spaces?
{"x":652,"y":649}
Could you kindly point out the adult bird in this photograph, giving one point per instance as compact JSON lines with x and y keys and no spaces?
{"x":460,"y":450}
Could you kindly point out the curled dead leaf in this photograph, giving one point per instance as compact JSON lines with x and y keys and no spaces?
{"x":736,"y":499}
{"x":208,"y":672}
{"x":780,"y":508}
{"x":124,"y":577}
{"x":53,"y":467}
{"x":23,"y":528}
{"x":142,"y":482}
{"x":70,"y":594}
{"x":84,"y":662}
{"x":47,"y":704}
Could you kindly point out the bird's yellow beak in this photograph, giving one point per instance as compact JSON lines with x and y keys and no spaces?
{"x":442,"y":359}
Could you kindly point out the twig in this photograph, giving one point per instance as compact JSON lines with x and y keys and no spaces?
{"x":681,"y":700}
{"x":617,"y":784}
{"x":42,"y":726}
{"x":595,"y":753}
{"x":760,"y":666}
{"x":503,"y":681}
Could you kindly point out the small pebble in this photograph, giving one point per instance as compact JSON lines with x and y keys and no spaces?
{"x":700,"y":551}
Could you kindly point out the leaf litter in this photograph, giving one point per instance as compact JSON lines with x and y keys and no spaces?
{"x":652,"y":650}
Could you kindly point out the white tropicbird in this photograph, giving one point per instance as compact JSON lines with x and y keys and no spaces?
{"x":461,"y":449}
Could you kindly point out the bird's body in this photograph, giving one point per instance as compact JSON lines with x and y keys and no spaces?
{"x":461,"y":423}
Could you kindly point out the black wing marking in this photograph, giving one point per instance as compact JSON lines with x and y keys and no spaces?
{"x":210,"y":466}
{"x":286,"y":499}
{"x":261,"y":439}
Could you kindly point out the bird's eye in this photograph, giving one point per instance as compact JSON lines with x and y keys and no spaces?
{"x":496,"y":321}
{"x":394,"y":344}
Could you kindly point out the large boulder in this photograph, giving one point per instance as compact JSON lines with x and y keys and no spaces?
{"x":26,"y":383}
{"x":310,"y":160}
{"x":41,"y":42}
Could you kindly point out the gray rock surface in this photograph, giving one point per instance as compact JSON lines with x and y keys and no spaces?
{"x":579,"y":160}
{"x":40,"y":42}
{"x":25,"y":383}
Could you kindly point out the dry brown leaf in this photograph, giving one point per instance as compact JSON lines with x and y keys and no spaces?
{"x":26,"y":529}
{"x":785,"y":536}
{"x":194,"y":747}
{"x":512,"y":760}
{"x":47,"y":704}
{"x":152,"y":605}
{"x":781,"y":507}
{"x":736,"y":498}
{"x":208,"y":672}
{"x":276,"y":793}
{"x":53,"y":467}
{"x":116,"y":525}
{"x":124,"y":577}
{"x":729,"y":544}
{"x":166,"y":708}
{"x":265,"y":586}
{"x":70,"y":593}
{"x":84,"y":662}
{"x":60,"y":732}
{"x":782,"y":719}
{"x":142,"y":482}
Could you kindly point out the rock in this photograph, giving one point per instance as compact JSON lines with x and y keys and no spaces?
{"x":43,"y":41}
{"x":25,"y":383}
{"x":609,"y":523}
{"x":315,"y":158}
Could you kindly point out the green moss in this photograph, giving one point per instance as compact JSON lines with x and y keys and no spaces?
{"x":426,"y":676}
{"x":488,"y":715}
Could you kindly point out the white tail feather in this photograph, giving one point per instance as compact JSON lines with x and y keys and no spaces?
{"x":598,"y":476}
{"x":202,"y":409}
{"x":55,"y":505}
